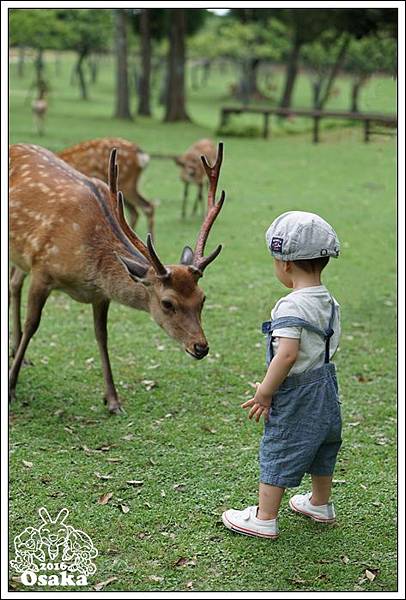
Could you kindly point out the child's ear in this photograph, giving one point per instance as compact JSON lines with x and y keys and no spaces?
{"x":287,"y":266}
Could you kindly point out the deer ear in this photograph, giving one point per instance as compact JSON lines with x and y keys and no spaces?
{"x":179,"y":161}
{"x":187,"y":256}
{"x":44,"y":514}
{"x":62,"y":515}
{"x":136,"y":271}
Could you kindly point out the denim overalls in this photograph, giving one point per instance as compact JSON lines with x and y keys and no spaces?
{"x":303,"y":431}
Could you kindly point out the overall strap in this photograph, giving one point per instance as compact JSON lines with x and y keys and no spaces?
{"x":269,"y":327}
{"x":283,"y":322}
{"x":329,"y":331}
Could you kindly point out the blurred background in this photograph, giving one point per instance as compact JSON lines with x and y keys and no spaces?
{"x":182,"y":64}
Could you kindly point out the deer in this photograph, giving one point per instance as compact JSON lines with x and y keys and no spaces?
{"x":69,"y":232}
{"x":192,"y":170}
{"x":92,"y":158}
{"x":40,"y":107}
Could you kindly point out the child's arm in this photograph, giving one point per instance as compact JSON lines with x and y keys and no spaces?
{"x":277,"y":372}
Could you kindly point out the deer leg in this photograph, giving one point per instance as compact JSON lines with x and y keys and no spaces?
{"x":37,"y":296}
{"x":133,"y":216}
{"x":148,"y":209}
{"x":16,"y":283}
{"x":199,"y":197}
{"x":100,"y":311}
{"x":185,"y":194}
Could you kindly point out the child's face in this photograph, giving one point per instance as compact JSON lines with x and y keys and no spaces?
{"x":282,"y":272}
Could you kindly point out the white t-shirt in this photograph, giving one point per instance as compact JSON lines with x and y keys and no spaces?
{"x":313,"y":304}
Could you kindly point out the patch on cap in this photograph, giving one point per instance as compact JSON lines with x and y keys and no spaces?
{"x":276,"y":244}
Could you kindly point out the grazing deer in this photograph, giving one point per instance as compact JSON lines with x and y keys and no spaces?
{"x":192,"y":169}
{"x":69,"y":232}
{"x":92,"y":159}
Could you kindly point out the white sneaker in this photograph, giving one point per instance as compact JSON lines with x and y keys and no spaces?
{"x":322,"y":514}
{"x":246,"y":522}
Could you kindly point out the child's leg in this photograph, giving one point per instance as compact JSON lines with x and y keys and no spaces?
{"x":321,"y":489}
{"x":270,"y":497}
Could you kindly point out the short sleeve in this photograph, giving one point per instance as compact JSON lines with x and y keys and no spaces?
{"x":287,"y":308}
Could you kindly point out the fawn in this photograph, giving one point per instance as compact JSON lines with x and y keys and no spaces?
{"x":92,"y":159}
{"x":192,"y":170}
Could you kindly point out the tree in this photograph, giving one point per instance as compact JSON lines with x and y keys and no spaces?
{"x":366,"y":57}
{"x":257,"y":36}
{"x":122,"y":110}
{"x":144,"y":89}
{"x":175,"y":98}
{"x":182,"y":22}
{"x":39,"y":29}
{"x":150,"y":26}
{"x":86,"y":31}
{"x":324,"y":58}
{"x":305,"y":25}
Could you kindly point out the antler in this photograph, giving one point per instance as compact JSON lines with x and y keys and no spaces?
{"x":213,"y":172}
{"x":148,"y":250}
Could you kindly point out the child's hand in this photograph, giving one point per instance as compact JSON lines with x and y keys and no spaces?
{"x":259,"y":404}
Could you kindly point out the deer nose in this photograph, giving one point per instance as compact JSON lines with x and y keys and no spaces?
{"x":201,"y":350}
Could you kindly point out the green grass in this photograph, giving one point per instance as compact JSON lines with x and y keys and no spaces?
{"x":189,"y":429}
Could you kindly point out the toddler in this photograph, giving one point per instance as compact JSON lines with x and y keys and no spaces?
{"x":298,"y":397}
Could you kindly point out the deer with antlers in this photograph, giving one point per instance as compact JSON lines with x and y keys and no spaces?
{"x":92,"y":159}
{"x":69,"y":232}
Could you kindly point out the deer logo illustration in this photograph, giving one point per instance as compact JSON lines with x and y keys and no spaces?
{"x":54,"y":546}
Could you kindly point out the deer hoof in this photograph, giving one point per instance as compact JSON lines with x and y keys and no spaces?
{"x":113,"y":405}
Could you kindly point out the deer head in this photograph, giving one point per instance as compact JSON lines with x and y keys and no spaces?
{"x":174,"y":299}
{"x":53,"y":531}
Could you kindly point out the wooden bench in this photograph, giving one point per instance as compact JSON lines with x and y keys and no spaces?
{"x":366,"y":118}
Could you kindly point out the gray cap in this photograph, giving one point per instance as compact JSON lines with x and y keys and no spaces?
{"x":298,"y":235}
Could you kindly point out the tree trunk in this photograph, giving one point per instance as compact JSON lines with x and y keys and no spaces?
{"x":206,"y":71}
{"x":175,"y":101}
{"x":81,"y":76}
{"x":39,"y":68}
{"x":316,"y":87}
{"x":248,"y":87}
{"x":21,"y":61}
{"x":94,"y":68}
{"x":355,"y":90}
{"x":164,"y":85}
{"x":291,"y":73}
{"x":122,"y":110}
{"x":144,"y":103}
{"x":57,"y":64}
{"x":335,"y":70}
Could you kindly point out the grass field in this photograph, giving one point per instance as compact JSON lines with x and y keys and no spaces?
{"x":187,"y":439}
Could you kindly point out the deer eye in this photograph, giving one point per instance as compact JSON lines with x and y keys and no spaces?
{"x":167,"y":305}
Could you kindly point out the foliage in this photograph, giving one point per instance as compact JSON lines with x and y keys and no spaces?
{"x":83,"y":30}
{"x":39,"y":28}
{"x":86,"y":30}
{"x":320,"y":55}
{"x":371,"y":54}
{"x":160,"y":21}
